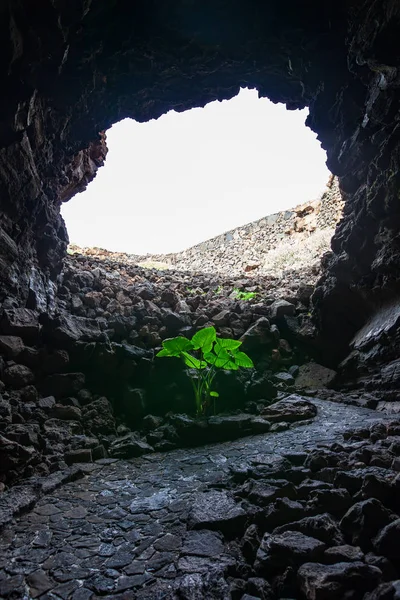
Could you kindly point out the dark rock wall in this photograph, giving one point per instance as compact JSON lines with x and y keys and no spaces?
{"x":69,"y":70}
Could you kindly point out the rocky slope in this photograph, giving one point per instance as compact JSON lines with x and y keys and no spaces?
{"x":291,"y":239}
{"x":75,"y":378}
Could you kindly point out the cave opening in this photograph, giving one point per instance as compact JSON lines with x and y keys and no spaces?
{"x":170,"y":184}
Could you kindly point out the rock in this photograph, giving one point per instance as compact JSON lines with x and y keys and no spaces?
{"x":386,"y":591}
{"x":98,"y":416}
{"x":284,"y":377}
{"x":386,"y":542}
{"x":82,"y":455}
{"x":18,"y":376}
{"x":341,"y":580}
{"x":293,"y":408}
{"x":13,"y":456}
{"x":70,"y":328}
{"x":260,"y":387}
{"x":322,"y":527}
{"x":289,"y":548}
{"x":314,"y":376}
{"x":216,"y":510}
{"x":129,"y":446}
{"x":11,"y":346}
{"x":257,"y":336}
{"x":63,"y":384}
{"x":46,"y":403}
{"x":343,"y":553}
{"x":66,"y":413}
{"x":281,"y":308}
{"x":203,"y":543}
{"x":363,"y":521}
{"x":21,"y":322}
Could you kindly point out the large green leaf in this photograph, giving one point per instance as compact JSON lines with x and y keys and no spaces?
{"x":242,"y":360}
{"x":228,"y":344}
{"x":175,"y":346}
{"x":204,"y":339}
{"x":192,"y":362}
{"x":222,"y":360}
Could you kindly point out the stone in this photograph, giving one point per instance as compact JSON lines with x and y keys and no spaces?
{"x":11,"y":345}
{"x":281,"y":308}
{"x":66,"y":413}
{"x":289,"y":548}
{"x":363,"y":521}
{"x":386,"y":542}
{"x":129,"y":446}
{"x":98,"y":416}
{"x":70,"y":329}
{"x":284,"y":377}
{"x":314,"y":376}
{"x":343,"y":553}
{"x":61,"y":385}
{"x":39,"y":583}
{"x":341,"y":580}
{"x":18,"y":376}
{"x":257,"y":336}
{"x":293,"y":408}
{"x":322,"y":527}
{"x":385,"y":591}
{"x":82,"y":455}
{"x":216,"y":510}
{"x":203,"y":543}
{"x":20,"y":322}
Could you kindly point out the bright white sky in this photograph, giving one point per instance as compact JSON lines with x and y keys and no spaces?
{"x":186,"y":177}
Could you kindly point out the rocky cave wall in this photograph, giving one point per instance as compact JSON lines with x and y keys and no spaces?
{"x":68,"y":71}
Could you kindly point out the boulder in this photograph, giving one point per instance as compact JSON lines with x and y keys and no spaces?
{"x":98,"y":416}
{"x":323,"y":527}
{"x":66,"y":413}
{"x":288,"y":548}
{"x":18,"y":376}
{"x":281,"y":308}
{"x":386,"y":542}
{"x":129,"y":446}
{"x":11,"y":346}
{"x":216,"y":509}
{"x":386,"y":591}
{"x":21,"y":322}
{"x":314,"y":376}
{"x":290,"y":409}
{"x":258,"y":336}
{"x":70,"y":328}
{"x":342,"y":580}
{"x":363,"y":521}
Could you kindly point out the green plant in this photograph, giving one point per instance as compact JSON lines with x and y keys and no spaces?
{"x":204,"y":354}
{"x":240,"y":295}
{"x":218,"y":290}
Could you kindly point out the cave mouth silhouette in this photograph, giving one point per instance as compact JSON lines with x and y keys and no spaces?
{"x":188,"y":177}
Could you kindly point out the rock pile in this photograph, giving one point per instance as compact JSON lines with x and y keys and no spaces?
{"x":77,"y":383}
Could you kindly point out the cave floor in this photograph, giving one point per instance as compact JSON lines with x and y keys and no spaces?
{"x":151,"y":527}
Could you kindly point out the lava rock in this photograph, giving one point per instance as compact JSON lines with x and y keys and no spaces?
{"x":216,"y":510}
{"x":363,"y":521}
{"x":129,"y":446}
{"x":293,"y":408}
{"x":289,"y":548}
{"x":341,"y":580}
